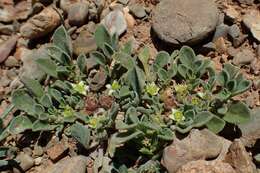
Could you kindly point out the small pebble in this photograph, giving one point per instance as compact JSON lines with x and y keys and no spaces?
{"x":11,"y":62}
{"x":137,"y":10}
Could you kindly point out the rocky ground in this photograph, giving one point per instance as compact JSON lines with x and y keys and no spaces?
{"x":224,"y":30}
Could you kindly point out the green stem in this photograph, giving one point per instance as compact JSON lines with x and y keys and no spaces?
{"x":7,"y":111}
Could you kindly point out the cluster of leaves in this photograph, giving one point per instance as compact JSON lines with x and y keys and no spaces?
{"x":137,"y":118}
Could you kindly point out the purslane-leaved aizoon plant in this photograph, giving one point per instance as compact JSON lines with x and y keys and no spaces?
{"x":137,"y":119}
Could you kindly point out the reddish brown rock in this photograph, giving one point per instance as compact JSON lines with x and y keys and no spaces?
{"x":91,"y":104}
{"x":239,"y":158}
{"x":198,"y":145}
{"x":41,"y":24}
{"x":57,"y":151}
{"x":77,"y":164}
{"x":106,"y":101}
{"x":202,"y":166}
{"x":7,"y":47}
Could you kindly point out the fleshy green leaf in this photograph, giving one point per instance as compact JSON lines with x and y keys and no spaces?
{"x":42,"y":126}
{"x":81,"y":134}
{"x":4,"y":163}
{"x":223,"y":77}
{"x":128,"y":47}
{"x":162,"y":74}
{"x":136,"y":78}
{"x":125,"y":60}
{"x":119,"y":139}
{"x":23,"y":101}
{"x":237,"y":113}
{"x":242,"y":86}
{"x":144,"y":56}
{"x":231,"y":70}
{"x":48,"y":66}
{"x":81,"y":62}
{"x":257,"y":158}
{"x":33,"y":86}
{"x":3,"y":151}
{"x":162,"y":59}
{"x":187,"y":56}
{"x":99,"y":58}
{"x":182,"y":70}
{"x":108,"y":50}
{"x":46,"y":100}
{"x":102,"y":36}
{"x":59,"y":54}
{"x":57,"y":95}
{"x":216,"y":124}
{"x":62,"y":40}
{"x":202,"y":118}
{"x":19,"y":124}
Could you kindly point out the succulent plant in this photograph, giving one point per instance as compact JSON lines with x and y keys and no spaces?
{"x":137,"y":116}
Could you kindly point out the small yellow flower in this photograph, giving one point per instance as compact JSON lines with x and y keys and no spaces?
{"x":112,"y":88}
{"x":177,"y":115}
{"x":152,"y":89}
{"x":195,"y":101}
{"x":181,"y":89}
{"x":68,"y":111}
{"x":93,"y":123}
{"x":146,"y":142}
{"x":80,"y":88}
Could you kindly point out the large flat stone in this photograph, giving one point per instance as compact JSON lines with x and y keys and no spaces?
{"x":184,"y":21}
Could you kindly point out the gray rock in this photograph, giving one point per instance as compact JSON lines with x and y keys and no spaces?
{"x":115,"y":22}
{"x":16,"y":83}
{"x":6,"y":47}
{"x":231,"y":14}
{"x":6,"y":15}
{"x":37,"y":7}
{"x":234,"y":31}
{"x":236,"y":36}
{"x":4,"y":81}
{"x":251,"y":130}
{"x":239,"y":158}
{"x":244,"y":57}
{"x":252,"y":21}
{"x":257,"y":83}
{"x":248,"y":2}
{"x":41,"y":24}
{"x":92,"y":12}
{"x":221,"y":31}
{"x":198,"y":145}
{"x":11,"y":62}
{"x":26,"y":162}
{"x":38,"y":150}
{"x":202,"y":166}
{"x":116,"y":6}
{"x":65,"y":4}
{"x":78,"y":14}
{"x":6,"y":29}
{"x":30,"y":68}
{"x":239,"y":40}
{"x":137,"y":10}
{"x":11,"y":74}
{"x":124,"y":2}
{"x":252,"y":99}
{"x":184,"y":22}
{"x":100,"y":4}
{"x":85,"y":43}
{"x":68,"y":165}
{"x":258,"y":51}
{"x":58,"y":151}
